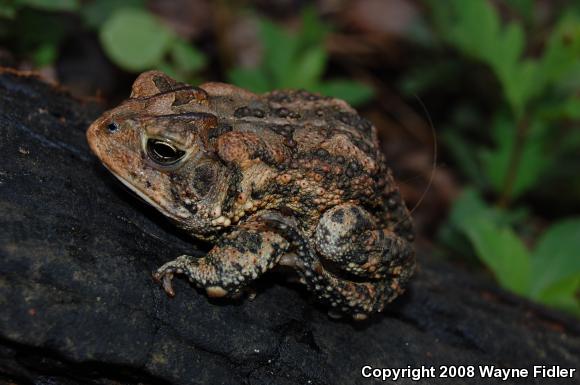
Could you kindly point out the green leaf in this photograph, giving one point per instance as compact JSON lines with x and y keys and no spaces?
{"x":469,"y":205}
{"x":280,"y":51}
{"x":495,"y":244}
{"x":562,"y":53}
{"x":169,"y":70}
{"x":353,"y":92}
{"x":39,"y":34}
{"x":7,"y":11}
{"x":502,"y":251}
{"x":431,"y":75}
{"x":45,"y":55}
{"x":505,"y":52}
{"x":474,"y":27}
{"x":464,"y":156}
{"x":484,"y":24}
{"x":569,"y":84}
{"x":496,"y":161}
{"x":186,"y":57}
{"x":516,"y":77}
{"x":97,"y":12}
{"x":556,"y":256}
{"x":52,"y":5}
{"x":568,"y":109}
{"x":308,"y":69}
{"x":564,"y":294}
{"x":134,"y":39}
{"x":250,"y":79}
{"x":556,"y":266}
{"x":524,"y":7}
{"x":533,"y":161}
{"x":313,"y":31}
{"x":297,"y":60}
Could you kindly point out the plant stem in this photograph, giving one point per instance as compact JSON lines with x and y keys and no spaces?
{"x":514,"y":162}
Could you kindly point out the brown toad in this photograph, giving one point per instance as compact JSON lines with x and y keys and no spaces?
{"x":285,"y":178}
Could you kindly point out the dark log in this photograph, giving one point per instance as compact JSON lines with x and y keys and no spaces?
{"x":78,"y":305}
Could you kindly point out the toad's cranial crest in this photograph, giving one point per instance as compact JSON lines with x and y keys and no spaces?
{"x":287,"y":177}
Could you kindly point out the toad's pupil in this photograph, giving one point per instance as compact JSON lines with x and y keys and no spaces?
{"x":163,"y":152}
{"x":112,"y":127}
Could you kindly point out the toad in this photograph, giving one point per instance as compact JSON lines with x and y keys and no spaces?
{"x":285,"y":178}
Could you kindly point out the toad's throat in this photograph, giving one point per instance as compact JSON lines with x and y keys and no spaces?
{"x":148,"y":200}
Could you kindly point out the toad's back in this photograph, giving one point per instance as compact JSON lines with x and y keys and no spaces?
{"x":317,"y":151}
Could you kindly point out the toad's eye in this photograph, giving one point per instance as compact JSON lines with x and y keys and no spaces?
{"x":163,"y":153}
{"x":112,"y":127}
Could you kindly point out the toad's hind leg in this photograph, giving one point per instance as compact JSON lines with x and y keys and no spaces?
{"x":238,"y":258}
{"x":364,"y":266}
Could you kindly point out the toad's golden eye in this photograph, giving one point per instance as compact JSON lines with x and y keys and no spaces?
{"x":163,"y":152}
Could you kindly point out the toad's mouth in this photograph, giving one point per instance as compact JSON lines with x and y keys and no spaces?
{"x":143,"y":196}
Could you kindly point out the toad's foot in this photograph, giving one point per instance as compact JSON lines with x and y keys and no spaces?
{"x":237,"y":259}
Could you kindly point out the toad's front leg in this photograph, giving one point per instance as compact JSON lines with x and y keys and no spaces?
{"x":238,"y":258}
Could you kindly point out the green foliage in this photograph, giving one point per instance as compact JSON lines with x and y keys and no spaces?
{"x":9,"y":8}
{"x":495,"y":161}
{"x":297,"y":60}
{"x":549,"y":273}
{"x":524,"y":7}
{"x":556,"y":266}
{"x":186,"y":57}
{"x":134,"y":40}
{"x":524,"y":147}
{"x":353,"y":92}
{"x":44,"y":55}
{"x":50,"y":5}
{"x":535,"y":91}
{"x":475,"y":29}
{"x":502,"y":251}
{"x":252,"y":79}
{"x":7,"y":11}
{"x":96,"y":13}
{"x":570,"y":109}
{"x":494,"y":242}
{"x":132,"y":37}
{"x":38,"y":35}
